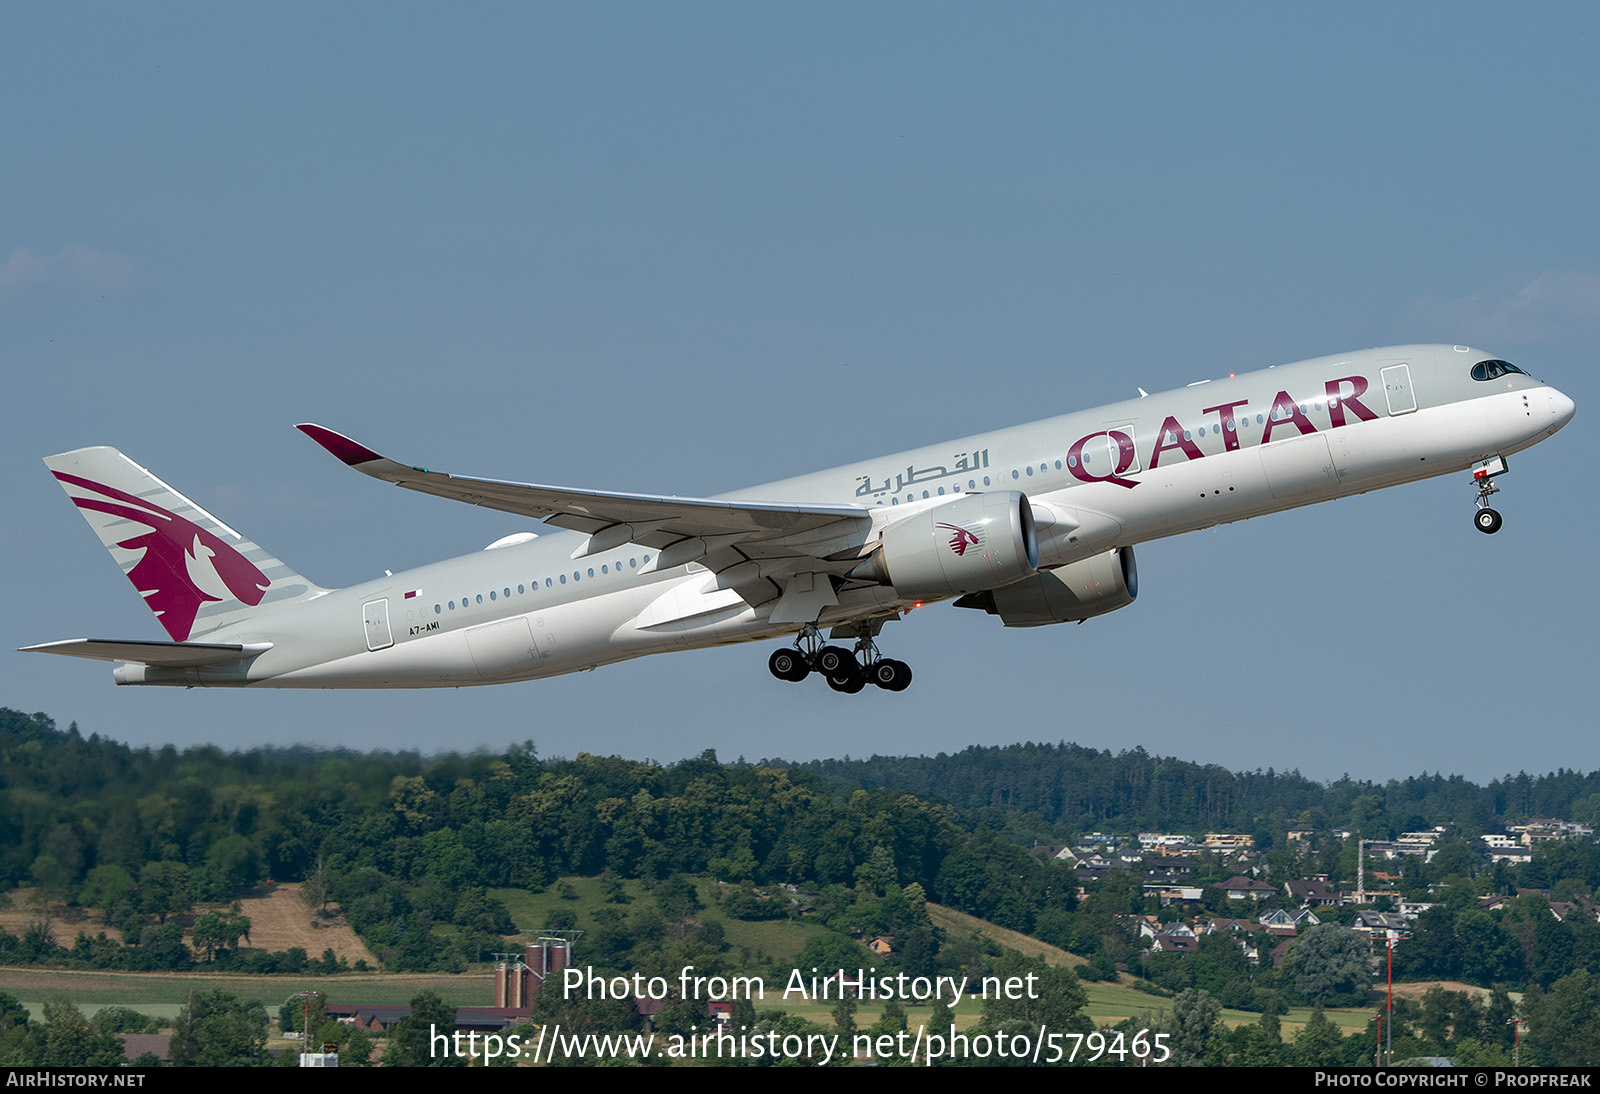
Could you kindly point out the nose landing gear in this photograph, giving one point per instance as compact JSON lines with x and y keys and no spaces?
{"x":845,"y":670}
{"x":1488,"y":520}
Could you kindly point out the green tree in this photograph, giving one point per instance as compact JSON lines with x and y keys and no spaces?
{"x":1329,"y":965}
{"x":1563,"y":1023}
{"x":164,"y":889}
{"x":107,"y":888}
{"x":233,"y":865}
{"x":1037,"y":994}
{"x":71,"y":1040}
{"x":1318,"y":1044}
{"x":1193,"y":1016}
{"x":217,"y":1029}
{"x":18,"y":1043}
{"x":314,"y":890}
{"x":844,"y":1016}
{"x":219,"y":930}
{"x":411,"y":1040}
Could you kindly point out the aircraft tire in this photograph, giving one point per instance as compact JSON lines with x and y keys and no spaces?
{"x":788,"y":665}
{"x":835,"y":660}
{"x":1488,"y":521}
{"x":891,"y":675}
{"x":850,"y":683}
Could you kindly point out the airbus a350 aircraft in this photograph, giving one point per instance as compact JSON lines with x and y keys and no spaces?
{"x":1035,"y":524}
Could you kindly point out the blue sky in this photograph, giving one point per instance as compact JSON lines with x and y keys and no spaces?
{"x":687,"y":248}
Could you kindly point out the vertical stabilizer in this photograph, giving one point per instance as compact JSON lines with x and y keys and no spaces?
{"x":194,"y":572}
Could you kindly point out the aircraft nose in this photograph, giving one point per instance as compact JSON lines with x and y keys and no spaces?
{"x":1561,"y":409}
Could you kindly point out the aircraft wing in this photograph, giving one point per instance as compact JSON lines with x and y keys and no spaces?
{"x":611,"y":519}
{"x":178,"y":655}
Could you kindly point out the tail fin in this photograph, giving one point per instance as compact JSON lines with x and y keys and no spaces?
{"x":195,"y":572}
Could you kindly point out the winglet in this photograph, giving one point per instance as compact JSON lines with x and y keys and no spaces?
{"x":343,"y":448}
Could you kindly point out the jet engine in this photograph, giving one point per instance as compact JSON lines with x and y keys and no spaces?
{"x":1072,"y":593}
{"x":969,"y":543}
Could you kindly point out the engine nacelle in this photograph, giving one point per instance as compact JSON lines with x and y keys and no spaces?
{"x":1067,"y":594}
{"x":967,"y":544}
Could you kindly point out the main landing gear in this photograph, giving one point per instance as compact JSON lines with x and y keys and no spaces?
{"x":1487,"y":519}
{"x":845,"y":670}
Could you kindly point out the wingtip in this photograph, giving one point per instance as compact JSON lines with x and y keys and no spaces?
{"x":343,"y":448}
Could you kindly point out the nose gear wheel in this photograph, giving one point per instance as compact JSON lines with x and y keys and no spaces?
{"x":1488,"y":520}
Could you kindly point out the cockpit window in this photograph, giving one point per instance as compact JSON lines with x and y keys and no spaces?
{"x":1493,"y":370}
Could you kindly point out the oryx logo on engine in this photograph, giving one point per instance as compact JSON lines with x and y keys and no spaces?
{"x":961,"y":540}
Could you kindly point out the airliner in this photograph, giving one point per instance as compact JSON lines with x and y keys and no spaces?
{"x":1035,"y":524}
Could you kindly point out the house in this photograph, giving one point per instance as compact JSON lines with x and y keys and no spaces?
{"x":1176,"y":938}
{"x":1380,"y":926}
{"x":1223,"y":841}
{"x":1054,"y":853}
{"x":1311,"y":893}
{"x":1244,"y":888}
{"x":1578,"y":911}
{"x":135,"y":1045}
{"x":1167,"y":893}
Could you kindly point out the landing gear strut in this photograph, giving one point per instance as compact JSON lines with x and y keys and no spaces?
{"x":1488,"y":520}
{"x":846,"y":670}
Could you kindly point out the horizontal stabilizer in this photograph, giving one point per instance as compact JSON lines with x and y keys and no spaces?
{"x":177,"y":655}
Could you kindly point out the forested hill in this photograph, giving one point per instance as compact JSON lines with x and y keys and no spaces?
{"x":70,"y":803}
{"x":1079,"y":789}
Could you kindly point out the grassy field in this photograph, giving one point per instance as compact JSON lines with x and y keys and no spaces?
{"x":769,"y":948}
{"x":162,"y":994}
{"x":952,"y":921}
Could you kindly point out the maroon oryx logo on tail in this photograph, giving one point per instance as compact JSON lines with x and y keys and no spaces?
{"x":181,"y":563}
{"x":962,"y":538}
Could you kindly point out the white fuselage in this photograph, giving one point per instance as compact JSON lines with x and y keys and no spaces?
{"x":1113,"y":476}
